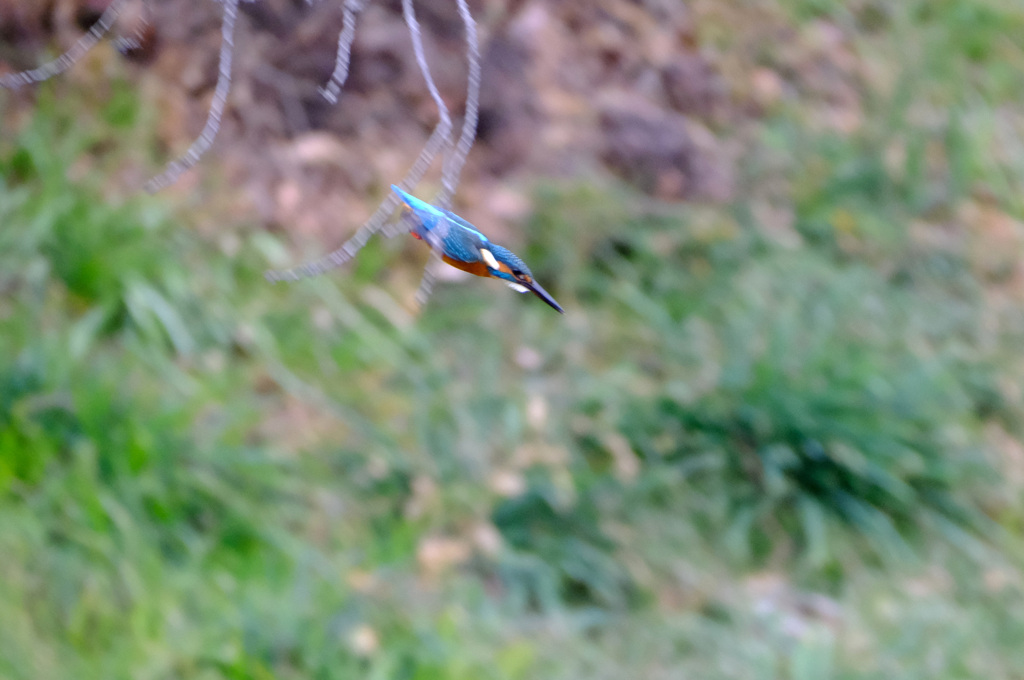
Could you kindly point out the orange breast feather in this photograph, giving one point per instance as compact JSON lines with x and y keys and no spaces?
{"x":475,"y":268}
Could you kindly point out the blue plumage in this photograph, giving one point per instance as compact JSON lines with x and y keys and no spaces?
{"x":463,"y":246}
{"x":512,"y":261}
{"x":445,"y":230}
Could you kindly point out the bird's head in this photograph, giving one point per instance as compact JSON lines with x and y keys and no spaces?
{"x":503,"y":264}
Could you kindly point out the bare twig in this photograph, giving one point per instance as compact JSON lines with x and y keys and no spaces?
{"x":426,"y":286}
{"x":351,"y":247}
{"x":220,"y":97}
{"x":13,"y":81}
{"x":439,"y":141}
{"x":421,"y":61}
{"x":348,"y":34}
{"x":453,"y":163}
{"x":439,"y":138}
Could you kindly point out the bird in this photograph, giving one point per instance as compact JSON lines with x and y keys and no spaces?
{"x":464,"y":247}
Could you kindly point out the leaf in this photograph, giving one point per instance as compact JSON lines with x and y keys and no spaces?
{"x":146,"y":304}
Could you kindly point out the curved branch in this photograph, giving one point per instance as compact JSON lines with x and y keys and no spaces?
{"x":375,"y":224}
{"x":439,"y":138}
{"x":453,"y":163}
{"x":421,"y":61}
{"x":426,"y":286}
{"x":220,"y":97}
{"x":14,"y":81}
{"x":348,"y":34}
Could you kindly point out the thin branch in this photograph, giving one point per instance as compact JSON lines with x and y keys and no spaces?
{"x":439,"y":138}
{"x":453,"y":163}
{"x":375,"y":224}
{"x":421,"y":61}
{"x":13,"y":81}
{"x":426,"y":286}
{"x":220,"y":97}
{"x":348,"y":34}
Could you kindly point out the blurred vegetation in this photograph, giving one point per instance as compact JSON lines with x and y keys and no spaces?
{"x":738,"y":455}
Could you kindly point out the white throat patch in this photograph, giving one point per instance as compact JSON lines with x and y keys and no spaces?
{"x":489,"y":259}
{"x":518,"y":287}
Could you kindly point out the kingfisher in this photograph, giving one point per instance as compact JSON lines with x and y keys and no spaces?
{"x":464,"y":247}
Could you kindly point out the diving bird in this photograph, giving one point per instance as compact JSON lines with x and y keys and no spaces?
{"x":463,"y":246}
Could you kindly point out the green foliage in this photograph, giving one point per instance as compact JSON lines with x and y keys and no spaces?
{"x":561,"y":554}
{"x":108,"y":259}
{"x":820,"y":408}
{"x":154,"y":522}
{"x":800,"y":395}
{"x":975,"y":28}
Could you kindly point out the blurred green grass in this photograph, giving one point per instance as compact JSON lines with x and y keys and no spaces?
{"x":736,"y":456}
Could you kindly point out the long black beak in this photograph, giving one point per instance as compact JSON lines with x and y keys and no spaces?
{"x":537,"y":290}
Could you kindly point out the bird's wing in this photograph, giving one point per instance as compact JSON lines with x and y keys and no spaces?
{"x":452,"y":237}
{"x":459,"y":242}
{"x":448,"y":233}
